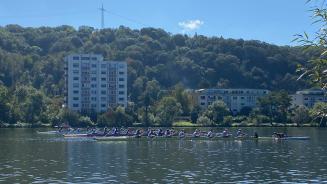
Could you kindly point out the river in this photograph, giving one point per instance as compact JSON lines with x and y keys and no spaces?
{"x":28,"y":157}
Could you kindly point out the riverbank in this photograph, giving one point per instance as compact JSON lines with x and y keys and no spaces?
{"x":185,"y":124}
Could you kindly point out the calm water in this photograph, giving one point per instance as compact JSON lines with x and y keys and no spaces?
{"x":26,"y":157}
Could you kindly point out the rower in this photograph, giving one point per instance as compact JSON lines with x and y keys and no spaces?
{"x":115,"y":131}
{"x":137,"y":133}
{"x":159,"y":132}
{"x":225,"y":133}
{"x":239,"y":133}
{"x":196,"y":133}
{"x":279,"y":135}
{"x":210,"y":133}
{"x":150,"y":133}
{"x":167,"y":133}
{"x":181,"y":134}
{"x":256,"y":135}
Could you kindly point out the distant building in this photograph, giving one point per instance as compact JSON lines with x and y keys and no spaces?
{"x":309,"y":98}
{"x":93,"y":84}
{"x":235,"y":99}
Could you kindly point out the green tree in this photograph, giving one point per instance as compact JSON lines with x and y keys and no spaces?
{"x":316,"y":68}
{"x":275,"y":105}
{"x":319,"y":113}
{"x":4,"y":105}
{"x":300,"y":115}
{"x":217,"y":111}
{"x":168,"y":108}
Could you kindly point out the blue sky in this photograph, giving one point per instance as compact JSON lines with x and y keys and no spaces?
{"x":272,"y":21}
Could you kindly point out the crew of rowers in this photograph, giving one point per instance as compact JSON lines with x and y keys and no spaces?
{"x":167,"y":133}
{"x":197,"y":133}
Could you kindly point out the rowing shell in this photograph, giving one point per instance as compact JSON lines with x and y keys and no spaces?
{"x":131,"y":138}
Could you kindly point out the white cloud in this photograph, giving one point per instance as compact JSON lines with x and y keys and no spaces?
{"x":190,"y":25}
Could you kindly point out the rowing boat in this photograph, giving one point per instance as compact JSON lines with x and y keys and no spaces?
{"x":76,"y":135}
{"x":132,"y":138}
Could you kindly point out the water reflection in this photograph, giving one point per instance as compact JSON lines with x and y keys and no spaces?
{"x":26,"y":157}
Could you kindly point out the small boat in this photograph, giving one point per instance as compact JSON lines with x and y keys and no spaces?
{"x":49,"y":132}
{"x":291,"y":138}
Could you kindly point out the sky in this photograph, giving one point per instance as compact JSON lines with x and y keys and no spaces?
{"x":271,"y":21}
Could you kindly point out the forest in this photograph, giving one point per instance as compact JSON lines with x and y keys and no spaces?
{"x":161,"y":66}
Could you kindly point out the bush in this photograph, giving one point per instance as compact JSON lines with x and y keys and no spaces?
{"x":204,"y":121}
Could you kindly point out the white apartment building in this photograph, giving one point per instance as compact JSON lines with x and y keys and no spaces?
{"x":235,"y":99}
{"x":93,"y":84}
{"x":309,"y":98}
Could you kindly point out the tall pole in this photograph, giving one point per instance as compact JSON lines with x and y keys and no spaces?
{"x":102,"y":16}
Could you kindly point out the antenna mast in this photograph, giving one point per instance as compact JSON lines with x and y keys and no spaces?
{"x":102,"y":16}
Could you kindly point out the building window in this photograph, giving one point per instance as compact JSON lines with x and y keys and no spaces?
{"x":121,"y":79}
{"x":93,"y":65}
{"x":75,"y":105}
{"x":75,"y":65}
{"x":93,"y":105}
{"x":93,"y":79}
{"x":121,"y":86}
{"x":203,"y":97}
{"x":85,"y":58}
{"x":103,"y":92}
{"x":242,"y":97}
{"x":103,"y":85}
{"x":75,"y":58}
{"x":75,"y":91}
{"x":103,"y":98}
{"x":121,"y":92}
{"x":234,"y":97}
{"x":93,"y":92}
{"x":103,"y":105}
{"x":94,"y":58}
{"x":75,"y":85}
{"x":121,"y":73}
{"x":103,"y":65}
{"x":103,"y":72}
{"x":103,"y":79}
{"x":93,"y":85}
{"x":75,"y":71}
{"x":202,"y":103}
{"x":76,"y":78}
{"x":121,"y":99}
{"x":93,"y":98}
{"x":75,"y":98}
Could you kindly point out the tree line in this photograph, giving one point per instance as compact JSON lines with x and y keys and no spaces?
{"x":161,"y":66}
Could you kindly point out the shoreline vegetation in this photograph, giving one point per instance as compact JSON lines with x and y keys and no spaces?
{"x":179,"y":124}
